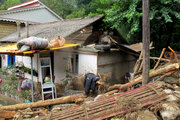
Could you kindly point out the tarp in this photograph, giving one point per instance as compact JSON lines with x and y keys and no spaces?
{"x":12,"y":49}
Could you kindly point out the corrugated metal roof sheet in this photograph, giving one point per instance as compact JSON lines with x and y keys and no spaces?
{"x":36,"y":14}
{"x":14,"y":20}
{"x":52,"y":30}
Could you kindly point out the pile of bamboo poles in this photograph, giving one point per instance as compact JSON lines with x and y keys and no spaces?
{"x":113,"y":105}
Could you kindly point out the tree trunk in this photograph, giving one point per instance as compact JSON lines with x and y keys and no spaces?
{"x":146,"y":39}
{"x":152,"y":73}
{"x":62,"y":100}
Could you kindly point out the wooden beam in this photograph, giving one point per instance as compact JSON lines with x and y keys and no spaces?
{"x":146,"y":39}
{"x":18,"y":29}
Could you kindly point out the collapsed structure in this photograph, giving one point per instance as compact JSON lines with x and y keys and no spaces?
{"x":160,"y":98}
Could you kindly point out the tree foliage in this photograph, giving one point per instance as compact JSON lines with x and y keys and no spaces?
{"x":8,"y":3}
{"x":126,"y":16}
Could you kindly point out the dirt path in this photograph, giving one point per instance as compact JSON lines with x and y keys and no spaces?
{"x":4,"y":100}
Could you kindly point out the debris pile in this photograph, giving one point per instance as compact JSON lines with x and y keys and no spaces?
{"x":157,"y":100}
{"x":114,"y":105}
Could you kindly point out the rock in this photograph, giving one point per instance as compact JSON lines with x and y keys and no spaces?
{"x":146,"y":115}
{"x":168,"y":91}
{"x":131,"y":116}
{"x":170,"y":111}
{"x":172,"y":98}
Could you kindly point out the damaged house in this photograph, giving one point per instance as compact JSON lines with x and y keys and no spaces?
{"x":111,"y":61}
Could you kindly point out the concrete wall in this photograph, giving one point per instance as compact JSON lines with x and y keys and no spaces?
{"x":6,"y":28}
{"x":114,"y":65}
{"x":87,"y":63}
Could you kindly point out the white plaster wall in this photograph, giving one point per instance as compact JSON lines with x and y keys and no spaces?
{"x":4,"y":60}
{"x":87,"y":63}
{"x":60,"y":63}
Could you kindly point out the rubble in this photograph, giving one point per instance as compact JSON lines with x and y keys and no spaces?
{"x":170,"y":111}
{"x":159,"y":100}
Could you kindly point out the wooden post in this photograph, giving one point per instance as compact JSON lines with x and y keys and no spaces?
{"x":27,"y":29}
{"x":18,"y":29}
{"x":146,"y":39}
{"x":32,"y":86}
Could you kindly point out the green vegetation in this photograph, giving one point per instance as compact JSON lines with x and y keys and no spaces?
{"x":10,"y":83}
{"x":9,"y":3}
{"x":28,"y":70}
{"x":126,"y":17}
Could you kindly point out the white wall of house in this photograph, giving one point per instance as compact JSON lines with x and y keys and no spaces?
{"x":60,"y":62}
{"x":4,"y":62}
{"x":87,"y":63}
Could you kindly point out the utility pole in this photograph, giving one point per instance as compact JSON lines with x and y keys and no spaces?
{"x":146,"y":39}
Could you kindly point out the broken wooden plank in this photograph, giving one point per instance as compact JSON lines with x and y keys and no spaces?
{"x":157,"y":63}
{"x":152,"y":73}
{"x":113,"y":105}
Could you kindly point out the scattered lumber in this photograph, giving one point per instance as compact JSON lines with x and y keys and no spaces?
{"x":157,"y":63}
{"x":165,"y":75}
{"x":137,"y":65}
{"x":152,"y":73}
{"x":62,"y":100}
{"x":113,"y":105}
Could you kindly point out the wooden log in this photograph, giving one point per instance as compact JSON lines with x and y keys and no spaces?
{"x":165,"y":75}
{"x":157,"y":63}
{"x":62,"y":100}
{"x":152,"y":73}
{"x":7,"y":114}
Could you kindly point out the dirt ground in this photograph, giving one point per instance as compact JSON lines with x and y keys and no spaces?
{"x":4,"y":100}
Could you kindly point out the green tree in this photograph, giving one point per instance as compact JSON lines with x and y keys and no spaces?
{"x":76,"y":14}
{"x":126,"y":17}
{"x":61,"y":7}
{"x":9,"y":3}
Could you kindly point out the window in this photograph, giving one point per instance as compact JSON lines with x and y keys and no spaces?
{"x":11,"y":60}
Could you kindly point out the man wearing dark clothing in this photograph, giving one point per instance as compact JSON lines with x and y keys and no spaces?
{"x":90,"y":83}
